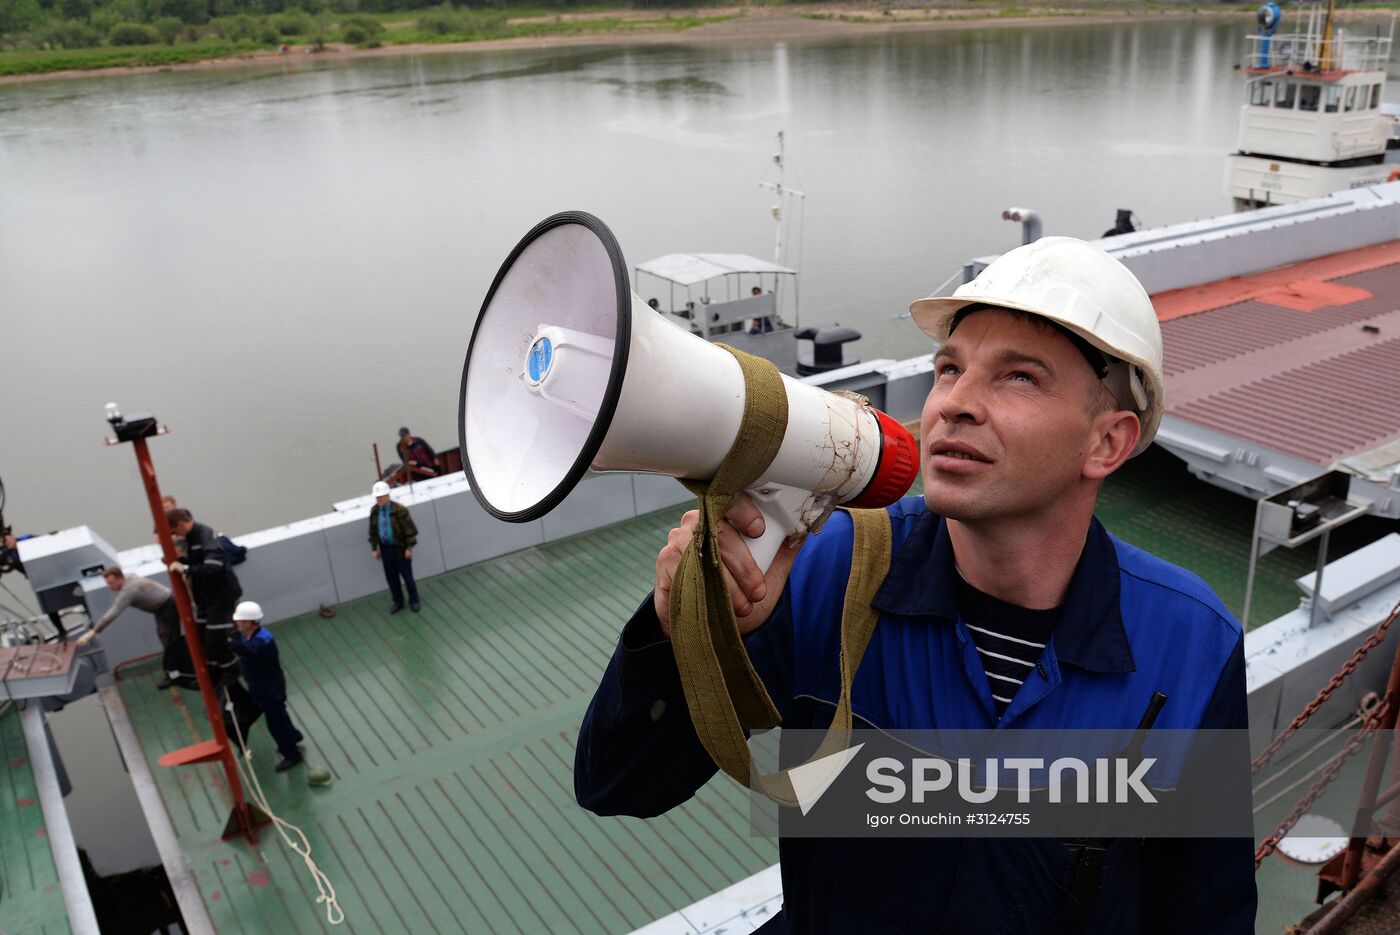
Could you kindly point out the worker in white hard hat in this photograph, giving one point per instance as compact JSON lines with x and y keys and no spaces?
{"x":392,"y":536}
{"x":267,"y":685}
{"x":1006,"y":605}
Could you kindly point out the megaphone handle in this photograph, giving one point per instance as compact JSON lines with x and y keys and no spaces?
{"x":783,"y":509}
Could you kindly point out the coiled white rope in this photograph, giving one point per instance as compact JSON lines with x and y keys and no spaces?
{"x":325,"y":891}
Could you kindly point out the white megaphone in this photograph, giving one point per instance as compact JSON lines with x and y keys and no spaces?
{"x":569,"y":370}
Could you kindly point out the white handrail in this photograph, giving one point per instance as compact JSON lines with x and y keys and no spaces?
{"x":1307,"y":49}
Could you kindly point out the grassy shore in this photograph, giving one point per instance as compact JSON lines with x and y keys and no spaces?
{"x":302,"y":33}
{"x":40,"y":61}
{"x":77,"y":47}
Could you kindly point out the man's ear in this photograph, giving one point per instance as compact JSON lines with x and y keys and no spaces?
{"x":1112,"y":438}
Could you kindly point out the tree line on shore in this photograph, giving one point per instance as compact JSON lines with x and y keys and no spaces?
{"x":45,"y":25}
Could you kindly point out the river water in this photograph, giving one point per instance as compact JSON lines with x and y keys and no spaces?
{"x":284,"y":263}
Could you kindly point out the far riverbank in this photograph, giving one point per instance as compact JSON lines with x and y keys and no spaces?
{"x":718,"y":25}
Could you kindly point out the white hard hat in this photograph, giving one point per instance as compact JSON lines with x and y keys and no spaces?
{"x":248,"y":610}
{"x":1081,"y":288}
{"x":380,"y":489}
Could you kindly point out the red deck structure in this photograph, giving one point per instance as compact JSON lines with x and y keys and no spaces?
{"x":1303,"y":359}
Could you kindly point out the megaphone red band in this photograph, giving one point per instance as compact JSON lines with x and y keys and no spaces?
{"x":896,"y":469}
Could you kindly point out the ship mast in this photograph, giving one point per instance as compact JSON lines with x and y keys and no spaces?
{"x":1326,"y":62}
{"x":781,"y":190}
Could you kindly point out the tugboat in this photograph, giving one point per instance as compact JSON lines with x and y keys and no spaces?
{"x":1312,"y":122}
{"x":746,"y":302}
{"x":729,"y":297}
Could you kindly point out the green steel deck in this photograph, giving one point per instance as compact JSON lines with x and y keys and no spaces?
{"x":30,"y":898}
{"x":1155,"y":503}
{"x":451,"y":736}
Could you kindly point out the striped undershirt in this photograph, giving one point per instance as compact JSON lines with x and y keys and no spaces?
{"x":1009,"y":639}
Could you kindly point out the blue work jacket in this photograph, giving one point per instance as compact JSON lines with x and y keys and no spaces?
{"x":1131,"y":624}
{"x":262,"y":667}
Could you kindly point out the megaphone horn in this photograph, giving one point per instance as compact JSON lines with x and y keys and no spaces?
{"x":568,"y":369}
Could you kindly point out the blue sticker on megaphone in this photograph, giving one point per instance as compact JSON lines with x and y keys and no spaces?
{"x":541,"y":353}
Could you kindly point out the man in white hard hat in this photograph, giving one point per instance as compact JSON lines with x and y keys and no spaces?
{"x":1006,"y":605}
{"x":392,"y":536}
{"x":267,"y":685}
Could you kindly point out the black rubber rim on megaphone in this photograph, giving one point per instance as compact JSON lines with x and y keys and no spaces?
{"x":621,"y":342}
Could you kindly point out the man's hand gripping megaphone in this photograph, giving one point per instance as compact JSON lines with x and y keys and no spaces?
{"x":753,"y":591}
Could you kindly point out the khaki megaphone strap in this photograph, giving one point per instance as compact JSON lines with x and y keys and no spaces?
{"x":870,"y":562}
{"x":726,"y":697}
{"x":714,"y":665}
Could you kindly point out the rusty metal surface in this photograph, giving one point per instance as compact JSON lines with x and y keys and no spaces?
{"x":1320,"y":385}
{"x":1372,"y":910}
{"x":1380,"y":915}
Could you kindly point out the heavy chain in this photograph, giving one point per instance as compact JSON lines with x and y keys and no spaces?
{"x":1334,"y":767}
{"x":1370,"y":643}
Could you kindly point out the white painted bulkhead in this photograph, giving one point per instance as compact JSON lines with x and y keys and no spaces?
{"x":1296,"y":117}
{"x":1263,"y":180}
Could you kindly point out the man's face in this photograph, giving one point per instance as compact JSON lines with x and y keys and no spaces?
{"x":382,"y":499}
{"x":1006,"y":428}
{"x":182,"y":528}
{"x":246,"y":627}
{"x":114,"y":583}
{"x":10,"y":541}
{"x":408,"y":439}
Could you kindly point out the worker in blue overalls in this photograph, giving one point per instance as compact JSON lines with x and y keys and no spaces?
{"x":267,"y":686}
{"x":1007,"y":605}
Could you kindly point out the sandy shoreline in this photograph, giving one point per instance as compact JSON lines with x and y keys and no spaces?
{"x":760,"y":25}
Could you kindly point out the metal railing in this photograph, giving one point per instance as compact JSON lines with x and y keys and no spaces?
{"x":1311,"y":52}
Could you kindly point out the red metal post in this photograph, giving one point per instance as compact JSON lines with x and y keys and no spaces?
{"x":1351,"y":868}
{"x":244,"y":816}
